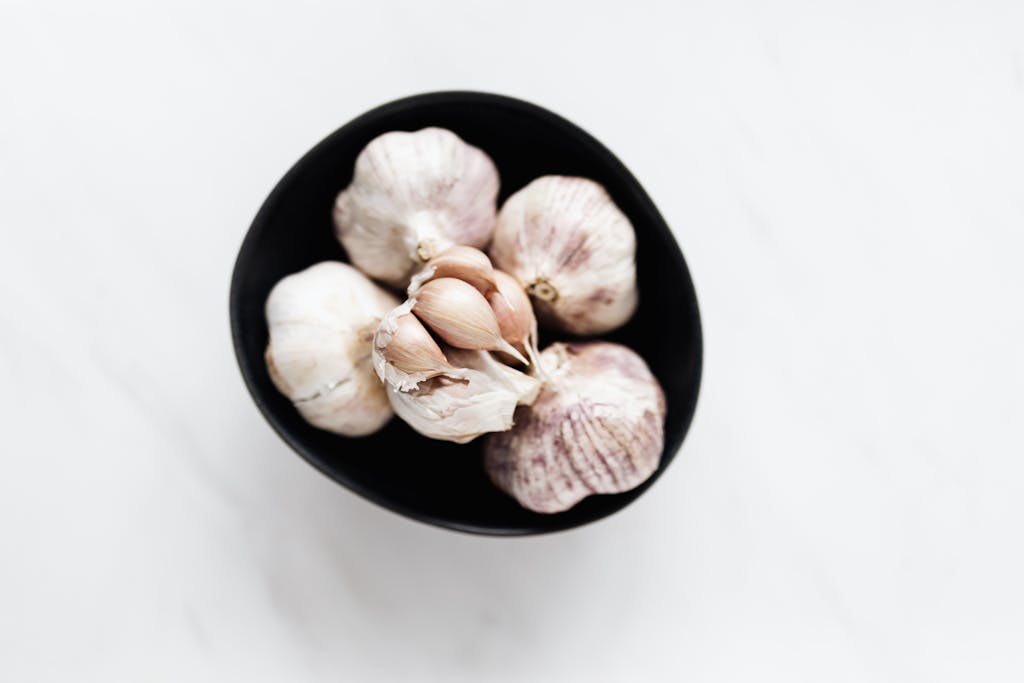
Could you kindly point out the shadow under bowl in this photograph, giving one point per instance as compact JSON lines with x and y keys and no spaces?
{"x":434,"y":481}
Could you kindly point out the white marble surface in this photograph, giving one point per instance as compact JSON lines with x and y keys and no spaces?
{"x":847,"y":183}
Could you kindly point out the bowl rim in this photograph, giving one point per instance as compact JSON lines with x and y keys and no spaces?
{"x":467,"y":97}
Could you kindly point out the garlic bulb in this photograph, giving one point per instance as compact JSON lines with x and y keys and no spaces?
{"x":596,"y":427}
{"x":412,"y":195}
{"x":509,"y":303}
{"x":445,"y":393}
{"x":321,"y":321}
{"x":573,"y":250}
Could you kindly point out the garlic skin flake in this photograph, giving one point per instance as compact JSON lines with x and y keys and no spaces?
{"x":413,"y":195}
{"x":573,"y":251}
{"x":596,"y":427}
{"x":321,"y":321}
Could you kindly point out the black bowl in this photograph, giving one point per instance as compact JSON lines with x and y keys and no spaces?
{"x":435,"y":481}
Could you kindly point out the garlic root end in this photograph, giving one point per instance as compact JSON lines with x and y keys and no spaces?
{"x":543,"y":290}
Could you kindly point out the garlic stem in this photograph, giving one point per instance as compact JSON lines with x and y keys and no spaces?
{"x":427,"y":236}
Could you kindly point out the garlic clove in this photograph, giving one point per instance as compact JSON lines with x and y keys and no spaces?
{"x":515,"y":318}
{"x":412,"y":349}
{"x":412,"y":196}
{"x":461,"y":316}
{"x":596,"y":427}
{"x":512,"y":309}
{"x":573,"y":250}
{"x":320,"y":323}
{"x":461,"y":262}
{"x":403,"y":352}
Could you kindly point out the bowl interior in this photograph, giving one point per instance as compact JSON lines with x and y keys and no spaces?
{"x":434,"y":481}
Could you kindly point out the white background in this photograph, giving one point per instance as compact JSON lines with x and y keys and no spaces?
{"x":847,"y":183}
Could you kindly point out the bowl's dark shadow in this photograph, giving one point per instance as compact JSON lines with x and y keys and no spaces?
{"x":430,"y":480}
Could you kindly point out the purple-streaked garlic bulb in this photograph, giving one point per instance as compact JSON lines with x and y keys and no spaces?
{"x":596,"y":427}
{"x":413,"y":195}
{"x":321,"y":322}
{"x":573,"y":251}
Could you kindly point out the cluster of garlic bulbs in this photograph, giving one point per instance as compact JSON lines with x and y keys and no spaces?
{"x":458,"y":358}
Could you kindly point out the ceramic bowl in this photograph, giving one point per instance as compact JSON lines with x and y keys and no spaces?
{"x":434,"y":481}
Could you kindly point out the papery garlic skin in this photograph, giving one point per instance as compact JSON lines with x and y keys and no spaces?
{"x":321,"y":321}
{"x":596,"y":427}
{"x":412,"y":195}
{"x":478,"y":396}
{"x":573,"y":251}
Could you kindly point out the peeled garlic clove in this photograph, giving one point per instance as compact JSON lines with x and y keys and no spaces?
{"x":573,"y":250}
{"x":321,"y":321}
{"x":461,"y":316}
{"x":477,"y":396}
{"x":596,"y":427}
{"x":462,"y":263}
{"x":413,"y":195}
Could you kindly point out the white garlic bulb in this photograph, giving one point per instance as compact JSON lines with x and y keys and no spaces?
{"x":321,"y":322}
{"x":573,"y":250}
{"x":412,"y":195}
{"x":596,"y":427}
